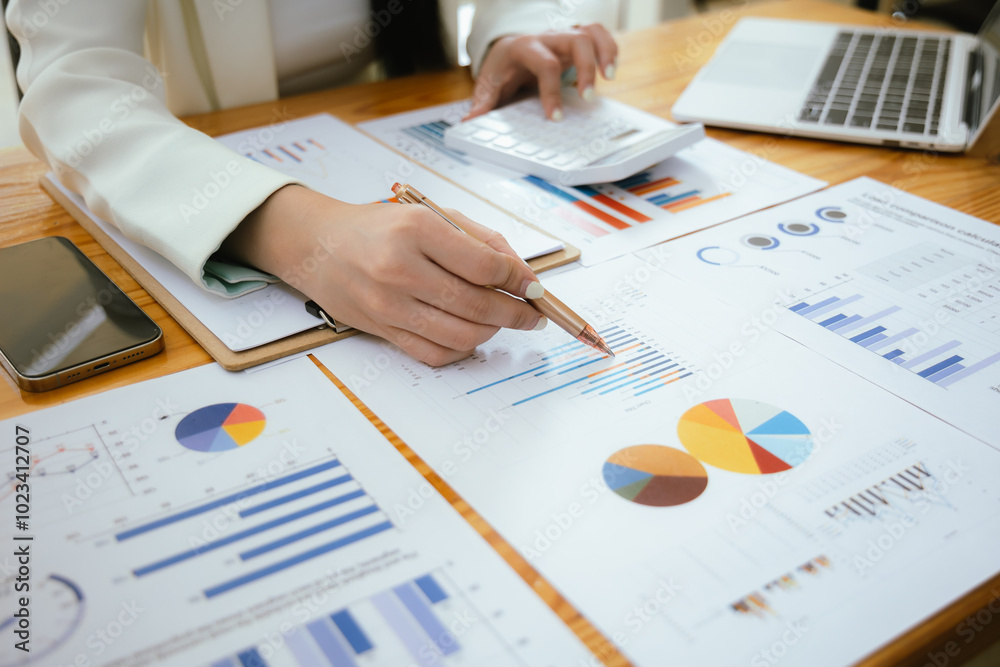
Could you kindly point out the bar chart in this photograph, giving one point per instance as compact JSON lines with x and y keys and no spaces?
{"x":943,"y":350}
{"x":409,"y":624}
{"x":431,"y":135}
{"x":293,"y":151}
{"x":667,"y":192}
{"x":605,"y":208}
{"x":577,"y":371}
{"x":270,"y":526}
{"x":759,"y":603}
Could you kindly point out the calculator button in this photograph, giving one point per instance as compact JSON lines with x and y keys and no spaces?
{"x":484,"y":136}
{"x":494,"y":125}
{"x":505,"y":142}
{"x":528,"y":149}
{"x":547,"y":154}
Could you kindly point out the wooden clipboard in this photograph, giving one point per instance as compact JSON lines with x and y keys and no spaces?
{"x":229,"y":359}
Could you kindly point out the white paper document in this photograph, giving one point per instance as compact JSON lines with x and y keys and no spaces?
{"x":262,"y":316}
{"x":231,"y":519}
{"x":716,"y":492}
{"x":900,"y":290}
{"x":331,"y":157}
{"x":699,"y":187}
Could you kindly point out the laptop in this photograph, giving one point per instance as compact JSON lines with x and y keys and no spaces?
{"x":872,"y":85}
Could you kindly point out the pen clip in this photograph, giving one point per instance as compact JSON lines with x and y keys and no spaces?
{"x":313,"y":309}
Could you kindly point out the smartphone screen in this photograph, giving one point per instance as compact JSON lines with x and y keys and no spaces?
{"x":61,"y":312}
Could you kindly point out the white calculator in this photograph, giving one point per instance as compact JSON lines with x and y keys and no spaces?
{"x":596,"y":142}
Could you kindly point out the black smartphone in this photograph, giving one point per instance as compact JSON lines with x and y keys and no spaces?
{"x":63,"y":320}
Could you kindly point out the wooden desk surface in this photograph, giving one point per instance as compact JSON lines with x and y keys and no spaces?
{"x":654,"y":67}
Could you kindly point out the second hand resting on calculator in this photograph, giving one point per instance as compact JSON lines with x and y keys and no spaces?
{"x":547,"y":305}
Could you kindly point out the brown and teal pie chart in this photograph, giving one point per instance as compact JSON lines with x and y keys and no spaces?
{"x":655,"y":475}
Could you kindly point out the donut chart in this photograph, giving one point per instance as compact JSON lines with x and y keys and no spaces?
{"x":220,"y":427}
{"x":760,"y":241}
{"x":655,"y":475}
{"x":745,"y":436}
{"x":831,"y":214}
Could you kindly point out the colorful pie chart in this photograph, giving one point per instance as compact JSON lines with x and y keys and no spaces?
{"x":745,"y":436}
{"x":655,"y":475}
{"x":216,"y":428}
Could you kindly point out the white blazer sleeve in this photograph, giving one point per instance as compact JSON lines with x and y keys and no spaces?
{"x":94,"y":110}
{"x":497,"y":18}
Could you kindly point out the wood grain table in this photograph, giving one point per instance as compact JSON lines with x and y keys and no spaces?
{"x":654,"y":67}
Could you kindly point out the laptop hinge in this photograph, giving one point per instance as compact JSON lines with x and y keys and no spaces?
{"x":972,"y":108}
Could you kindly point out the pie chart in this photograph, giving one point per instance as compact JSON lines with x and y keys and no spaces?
{"x":745,"y":436}
{"x":216,"y":428}
{"x":655,"y":475}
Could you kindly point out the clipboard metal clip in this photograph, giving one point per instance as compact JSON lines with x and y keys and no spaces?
{"x":313,"y":309}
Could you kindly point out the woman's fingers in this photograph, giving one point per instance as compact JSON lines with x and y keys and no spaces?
{"x":517,"y":60}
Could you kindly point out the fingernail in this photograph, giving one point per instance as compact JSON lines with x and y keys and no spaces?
{"x":533,"y":289}
{"x":541,"y":324}
{"x":588,"y":94}
{"x":609,"y":72}
{"x":557,"y":115}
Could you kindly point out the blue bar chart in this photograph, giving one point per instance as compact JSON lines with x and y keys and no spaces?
{"x":407,"y":624}
{"x":269,"y":527}
{"x":911,"y":337}
{"x":432,"y":136}
{"x":577,"y":370}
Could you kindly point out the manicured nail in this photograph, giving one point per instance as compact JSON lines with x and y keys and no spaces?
{"x":609,"y":72}
{"x":542,"y":323}
{"x":533,"y":289}
{"x":557,"y":115}
{"x":588,"y":94}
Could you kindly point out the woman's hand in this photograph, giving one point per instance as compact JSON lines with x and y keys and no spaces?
{"x":397,"y":271}
{"x":516,"y":61}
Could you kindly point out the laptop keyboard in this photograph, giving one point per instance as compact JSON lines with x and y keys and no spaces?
{"x":881,"y":81}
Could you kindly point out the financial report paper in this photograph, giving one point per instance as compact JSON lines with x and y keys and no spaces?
{"x":898,"y":289}
{"x":714,"y":479}
{"x":230,"y":519}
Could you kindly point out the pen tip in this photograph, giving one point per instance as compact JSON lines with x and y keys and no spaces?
{"x":593,"y":339}
{"x":396,"y":187}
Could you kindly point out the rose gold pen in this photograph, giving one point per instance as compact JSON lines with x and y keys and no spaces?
{"x":547,"y":305}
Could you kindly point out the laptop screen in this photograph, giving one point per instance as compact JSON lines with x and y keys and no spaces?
{"x":988,"y":77}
